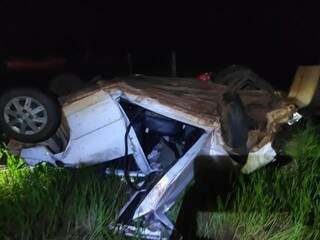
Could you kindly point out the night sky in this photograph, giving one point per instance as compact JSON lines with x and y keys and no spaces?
{"x":271,"y":40}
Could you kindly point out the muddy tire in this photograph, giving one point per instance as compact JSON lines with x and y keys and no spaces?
{"x":242,"y":78}
{"x":65,"y":84}
{"x":234,"y":124}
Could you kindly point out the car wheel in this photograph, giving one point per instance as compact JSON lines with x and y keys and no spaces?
{"x":65,"y":84}
{"x":28,"y":115}
{"x":242,"y":78}
{"x":234,"y":122}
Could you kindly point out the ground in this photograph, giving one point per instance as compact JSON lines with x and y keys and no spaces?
{"x":53,"y":203}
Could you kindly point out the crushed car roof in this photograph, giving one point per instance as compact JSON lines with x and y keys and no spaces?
{"x":185,"y":98}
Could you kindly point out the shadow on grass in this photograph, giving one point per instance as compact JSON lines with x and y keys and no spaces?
{"x":280,"y":201}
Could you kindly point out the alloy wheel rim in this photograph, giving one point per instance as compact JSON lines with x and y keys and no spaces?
{"x":25,"y":115}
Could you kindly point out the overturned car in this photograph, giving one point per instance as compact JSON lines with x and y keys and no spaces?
{"x":149,"y":130}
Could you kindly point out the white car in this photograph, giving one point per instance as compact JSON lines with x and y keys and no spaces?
{"x":149,"y":130}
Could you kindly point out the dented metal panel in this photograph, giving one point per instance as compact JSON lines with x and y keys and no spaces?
{"x":96,"y":128}
{"x":306,"y":83}
{"x":183,"y":99}
{"x":165,"y":192}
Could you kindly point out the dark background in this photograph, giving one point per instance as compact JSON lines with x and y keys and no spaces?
{"x":271,"y":40}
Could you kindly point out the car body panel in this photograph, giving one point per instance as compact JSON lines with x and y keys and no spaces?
{"x":184,"y":99}
{"x":305,"y":85}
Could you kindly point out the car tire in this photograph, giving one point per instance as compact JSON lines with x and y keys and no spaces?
{"x":242,"y":78}
{"x":29,"y":115}
{"x":234,"y":121}
{"x":66,"y":83}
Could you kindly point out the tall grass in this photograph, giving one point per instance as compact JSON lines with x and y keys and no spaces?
{"x":54,"y":203}
{"x":277,"y":203}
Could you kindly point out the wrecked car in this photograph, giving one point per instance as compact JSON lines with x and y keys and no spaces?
{"x":148,"y":130}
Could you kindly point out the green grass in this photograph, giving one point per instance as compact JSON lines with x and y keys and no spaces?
{"x":55,"y":203}
{"x":277,"y":203}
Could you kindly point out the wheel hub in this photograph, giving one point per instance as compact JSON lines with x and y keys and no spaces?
{"x":25,"y":115}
